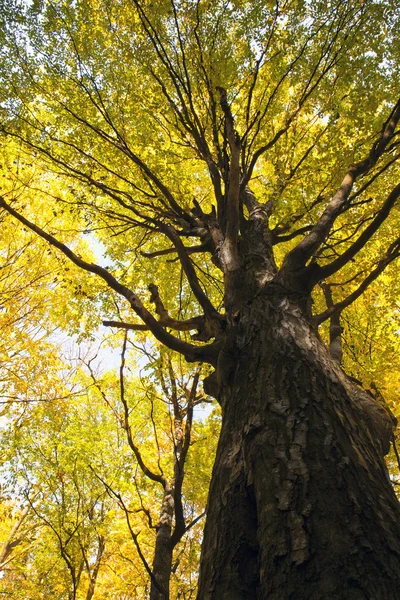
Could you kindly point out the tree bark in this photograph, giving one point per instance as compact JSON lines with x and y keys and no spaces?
{"x":300,"y":504}
{"x":162,"y":560}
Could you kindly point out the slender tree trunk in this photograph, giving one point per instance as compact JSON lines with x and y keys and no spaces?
{"x":162,"y":561}
{"x":300,"y":505}
{"x":93,"y":575}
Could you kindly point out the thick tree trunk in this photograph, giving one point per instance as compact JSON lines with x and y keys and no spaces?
{"x":300,"y":505}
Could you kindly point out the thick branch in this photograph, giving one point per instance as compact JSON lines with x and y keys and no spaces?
{"x":392,"y":253}
{"x":335,"y":329}
{"x":202,"y":298}
{"x":129,"y":326}
{"x":278,"y":239}
{"x":331,"y":268}
{"x":188,"y":325}
{"x":165,"y":251}
{"x":229,"y":251}
{"x":11,"y":541}
{"x":191,"y":352}
{"x":299,"y":256}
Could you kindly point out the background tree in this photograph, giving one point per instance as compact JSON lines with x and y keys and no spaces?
{"x":30,"y":364}
{"x":66,"y":508}
{"x":268,"y":132}
{"x":100,"y":476}
{"x":160,"y":435}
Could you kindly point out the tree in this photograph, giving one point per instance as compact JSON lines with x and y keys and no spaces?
{"x":89,"y":473}
{"x":156,"y":416}
{"x":34,"y":307}
{"x":67,"y":512}
{"x":268,"y":133}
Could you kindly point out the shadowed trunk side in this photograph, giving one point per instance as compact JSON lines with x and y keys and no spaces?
{"x":305,"y":446}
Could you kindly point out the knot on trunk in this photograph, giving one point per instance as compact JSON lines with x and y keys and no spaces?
{"x":210,"y":385}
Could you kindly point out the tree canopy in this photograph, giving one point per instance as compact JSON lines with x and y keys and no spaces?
{"x":147,"y":115}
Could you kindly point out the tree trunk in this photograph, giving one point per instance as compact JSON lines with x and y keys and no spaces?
{"x":162,"y":560}
{"x":300,"y":504}
{"x":93,"y":575}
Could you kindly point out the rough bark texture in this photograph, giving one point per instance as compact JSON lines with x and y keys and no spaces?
{"x":162,"y":562}
{"x":300,"y":503}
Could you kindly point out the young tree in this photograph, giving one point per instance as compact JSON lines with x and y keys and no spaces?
{"x":63,"y":530}
{"x":170,"y":454}
{"x":156,"y":416}
{"x":268,"y":132}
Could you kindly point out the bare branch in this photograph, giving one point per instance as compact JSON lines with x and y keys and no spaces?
{"x":327,"y":55}
{"x":180,"y":528}
{"x":159,"y":478}
{"x":122,"y":325}
{"x":278,"y":239}
{"x":166,"y":251}
{"x":257,"y":70}
{"x":194,"y":521}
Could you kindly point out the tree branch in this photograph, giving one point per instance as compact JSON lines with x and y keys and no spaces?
{"x":166,"y":251}
{"x":180,"y":527}
{"x":299,"y":256}
{"x":331,"y":268}
{"x":159,"y":478}
{"x":10,"y":542}
{"x":229,"y":251}
{"x":202,"y":298}
{"x":194,"y":521}
{"x":191,"y":352}
{"x":392,"y":253}
{"x":335,"y":329}
{"x":134,"y":535}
